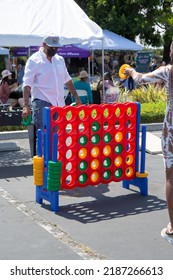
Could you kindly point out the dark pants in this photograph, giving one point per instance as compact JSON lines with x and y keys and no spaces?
{"x":130,"y":83}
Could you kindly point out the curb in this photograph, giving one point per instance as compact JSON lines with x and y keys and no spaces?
{"x":153,"y":126}
{"x":9,"y":135}
{"x":23,"y":134}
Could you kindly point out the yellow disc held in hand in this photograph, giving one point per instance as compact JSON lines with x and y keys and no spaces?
{"x":121,"y":71}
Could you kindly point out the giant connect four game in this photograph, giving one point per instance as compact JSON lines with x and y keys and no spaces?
{"x":89,"y":145}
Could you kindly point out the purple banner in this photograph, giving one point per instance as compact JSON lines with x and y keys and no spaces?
{"x":65,"y":51}
{"x":21,"y":52}
{"x":72,"y":51}
{"x":34,"y":49}
{"x":24,"y":51}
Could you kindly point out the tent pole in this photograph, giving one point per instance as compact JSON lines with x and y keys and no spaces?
{"x":29,"y":51}
{"x":89,"y":67}
{"x":103,"y":56}
{"x":92,"y":63}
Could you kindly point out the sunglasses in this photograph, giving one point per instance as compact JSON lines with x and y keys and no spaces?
{"x":52,"y":48}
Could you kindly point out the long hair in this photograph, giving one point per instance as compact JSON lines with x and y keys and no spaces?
{"x":108,"y":76}
{"x":5,"y":80}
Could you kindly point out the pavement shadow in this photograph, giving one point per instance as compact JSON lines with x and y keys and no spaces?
{"x":13,"y":159}
{"x":89,"y":191}
{"x":108,"y":208}
{"x":15,"y":168}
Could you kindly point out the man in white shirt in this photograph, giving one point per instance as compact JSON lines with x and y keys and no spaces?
{"x":45,"y":76}
{"x":44,"y":79}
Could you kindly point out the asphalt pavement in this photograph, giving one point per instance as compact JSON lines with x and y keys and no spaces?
{"x":105,"y":222}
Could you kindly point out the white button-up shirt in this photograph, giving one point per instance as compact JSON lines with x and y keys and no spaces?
{"x":46,"y":78}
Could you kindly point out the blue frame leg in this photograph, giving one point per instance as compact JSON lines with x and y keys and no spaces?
{"x":38,"y":195}
{"x":52,"y":197}
{"x":141,"y":183}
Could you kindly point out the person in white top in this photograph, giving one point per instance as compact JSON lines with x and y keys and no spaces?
{"x":163,"y":74}
{"x":44,"y":79}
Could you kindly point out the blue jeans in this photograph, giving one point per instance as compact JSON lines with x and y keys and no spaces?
{"x":37,"y":112}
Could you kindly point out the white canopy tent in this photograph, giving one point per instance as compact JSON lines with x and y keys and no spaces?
{"x":27,"y":22}
{"x":111,"y":41}
{"x":4,"y":51}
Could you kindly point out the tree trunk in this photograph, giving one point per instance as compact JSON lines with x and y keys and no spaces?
{"x":166,"y":53}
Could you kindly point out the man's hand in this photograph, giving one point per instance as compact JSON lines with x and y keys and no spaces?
{"x":78,"y":101}
{"x":72,"y":89}
{"x":128,"y":71}
{"x":25,"y":112}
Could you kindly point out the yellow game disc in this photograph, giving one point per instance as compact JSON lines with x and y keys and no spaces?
{"x":121,"y":71}
{"x":142,"y":175}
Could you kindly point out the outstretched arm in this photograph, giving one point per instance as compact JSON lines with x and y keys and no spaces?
{"x":156,"y":76}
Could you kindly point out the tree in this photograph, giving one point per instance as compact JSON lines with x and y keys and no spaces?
{"x":151,"y":20}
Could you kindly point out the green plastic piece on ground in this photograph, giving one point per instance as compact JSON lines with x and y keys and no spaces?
{"x":118,"y":149}
{"x":83,"y":165}
{"x":106,"y":162}
{"x":95,"y":139}
{"x":107,"y":137}
{"x":27,"y":121}
{"x":106,"y":174}
{"x":73,"y":104}
{"x":83,"y":178}
{"x":118,"y":173}
{"x":83,"y":140}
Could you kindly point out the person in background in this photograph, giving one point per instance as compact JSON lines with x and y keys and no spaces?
{"x":111,"y":91}
{"x":44,"y":79}
{"x":83,"y":83}
{"x":8,"y":95}
{"x":20,"y":72}
{"x":163,"y":63}
{"x":163,"y":74}
{"x":131,"y":83}
{"x":107,"y":66}
{"x":153,"y":65}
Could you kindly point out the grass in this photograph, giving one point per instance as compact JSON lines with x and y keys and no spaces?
{"x":153,"y":112}
{"x":152,"y":99}
{"x":12,"y":128}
